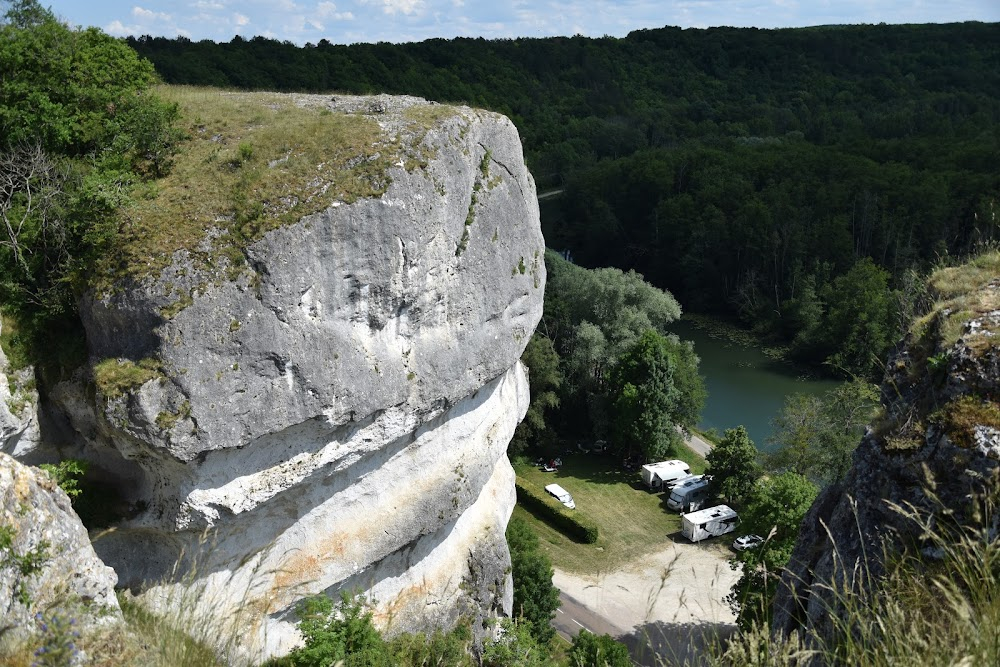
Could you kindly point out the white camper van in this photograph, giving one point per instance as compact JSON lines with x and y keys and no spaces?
{"x":562,"y":495}
{"x":656,"y":475}
{"x":690,"y":495}
{"x":710,"y":522}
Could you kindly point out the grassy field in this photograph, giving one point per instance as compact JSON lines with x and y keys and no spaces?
{"x":632,"y":521}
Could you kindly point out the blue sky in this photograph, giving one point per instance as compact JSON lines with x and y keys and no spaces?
{"x":349,"y":21}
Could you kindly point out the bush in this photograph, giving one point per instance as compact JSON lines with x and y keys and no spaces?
{"x":590,"y":650}
{"x":535,"y":598}
{"x":67,"y":474}
{"x":578,"y":528}
{"x":343,"y":635}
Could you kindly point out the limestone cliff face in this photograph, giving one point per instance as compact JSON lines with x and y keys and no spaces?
{"x":337,"y":416}
{"x":936,"y":449}
{"x":39,"y":524}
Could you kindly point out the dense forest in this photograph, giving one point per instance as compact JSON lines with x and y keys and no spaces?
{"x":773,"y":176}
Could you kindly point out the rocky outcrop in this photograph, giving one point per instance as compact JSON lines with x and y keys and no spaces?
{"x":935,"y":450}
{"x":335,"y":415}
{"x":19,"y":433}
{"x":46,"y":559}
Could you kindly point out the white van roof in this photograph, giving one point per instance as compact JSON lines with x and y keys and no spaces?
{"x":695,"y":480}
{"x":706,"y":515}
{"x":666,"y":465}
{"x":556,"y":490}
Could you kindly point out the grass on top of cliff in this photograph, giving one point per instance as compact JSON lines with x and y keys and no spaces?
{"x":252,"y":162}
{"x":632,"y":521}
{"x":960,"y":294}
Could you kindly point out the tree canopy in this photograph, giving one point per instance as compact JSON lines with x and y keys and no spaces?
{"x":655,"y":388}
{"x":78,"y":129}
{"x":620,"y":375}
{"x":815,"y":436}
{"x":733,"y":466}
{"x":535,"y":597}
{"x":774,"y":511}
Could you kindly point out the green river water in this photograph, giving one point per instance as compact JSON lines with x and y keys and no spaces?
{"x":744,"y":385}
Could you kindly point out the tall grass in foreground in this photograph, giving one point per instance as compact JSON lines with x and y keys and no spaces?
{"x":189,"y":619}
{"x":938,"y":604}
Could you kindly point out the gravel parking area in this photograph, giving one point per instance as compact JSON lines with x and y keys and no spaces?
{"x":682,"y":584}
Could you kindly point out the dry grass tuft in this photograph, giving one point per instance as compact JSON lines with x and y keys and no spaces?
{"x":115,"y":377}
{"x":937,"y":604}
{"x":960,"y":293}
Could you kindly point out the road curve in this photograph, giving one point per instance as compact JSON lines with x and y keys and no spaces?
{"x":698,"y":444}
{"x":572,"y":616}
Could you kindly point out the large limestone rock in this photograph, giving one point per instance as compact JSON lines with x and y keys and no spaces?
{"x":936,"y":449}
{"x":39,"y":530}
{"x":335,"y":417}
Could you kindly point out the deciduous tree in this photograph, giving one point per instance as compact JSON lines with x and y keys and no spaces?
{"x":535,"y":597}
{"x":733,"y":465}
{"x":544,"y":379}
{"x":654,"y":389}
{"x":774,"y":511}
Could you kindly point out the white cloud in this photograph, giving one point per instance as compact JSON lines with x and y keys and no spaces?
{"x":148,"y":15}
{"x":328,"y":10}
{"x":392,"y":7}
{"x":240,"y":20}
{"x":118,"y":29}
{"x":208,"y":4}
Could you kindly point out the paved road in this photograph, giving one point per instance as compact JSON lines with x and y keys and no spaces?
{"x":571,"y":616}
{"x":701,"y":446}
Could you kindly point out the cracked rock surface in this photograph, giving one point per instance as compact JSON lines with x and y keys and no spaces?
{"x":46,"y":559}
{"x":337,"y":416}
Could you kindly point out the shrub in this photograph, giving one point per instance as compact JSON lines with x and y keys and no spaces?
{"x":514,"y":646}
{"x":344,"y":635}
{"x":535,"y":598}
{"x":590,"y":650}
{"x":67,"y":475}
{"x":578,"y":528}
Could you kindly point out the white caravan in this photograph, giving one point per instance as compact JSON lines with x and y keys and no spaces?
{"x":690,"y":495}
{"x":710,"y":522}
{"x":656,"y":475}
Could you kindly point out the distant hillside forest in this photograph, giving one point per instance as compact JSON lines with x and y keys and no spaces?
{"x":799,"y":180}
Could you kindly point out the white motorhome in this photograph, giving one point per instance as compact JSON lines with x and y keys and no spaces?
{"x":710,"y":522}
{"x":656,"y":475}
{"x":562,"y":495}
{"x":690,"y":495}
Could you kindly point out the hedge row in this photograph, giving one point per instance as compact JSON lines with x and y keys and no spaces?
{"x":575,"y":527}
